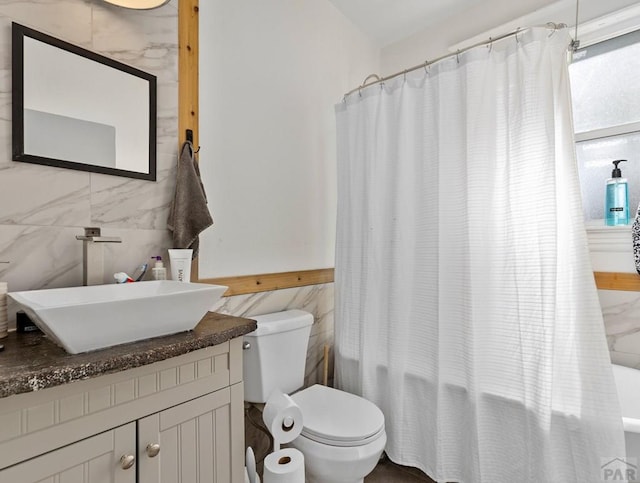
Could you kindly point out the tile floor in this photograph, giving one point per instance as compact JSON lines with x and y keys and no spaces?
{"x":389,"y":472}
{"x":386,"y":471}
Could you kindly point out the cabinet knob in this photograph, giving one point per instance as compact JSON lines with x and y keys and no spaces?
{"x":153,"y":449}
{"x":127,"y":461}
{"x":246,"y":345}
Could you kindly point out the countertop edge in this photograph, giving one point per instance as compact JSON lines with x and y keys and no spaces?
{"x":71,"y":368}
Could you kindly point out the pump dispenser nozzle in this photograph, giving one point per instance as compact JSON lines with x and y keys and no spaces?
{"x":616,"y":173}
{"x":159,"y":272}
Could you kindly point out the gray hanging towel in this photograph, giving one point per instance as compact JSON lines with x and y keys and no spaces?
{"x":188,"y":215}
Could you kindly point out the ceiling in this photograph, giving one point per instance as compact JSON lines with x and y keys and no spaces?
{"x":388,"y":21}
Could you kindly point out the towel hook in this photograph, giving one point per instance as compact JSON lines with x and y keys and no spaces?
{"x":189,"y":137}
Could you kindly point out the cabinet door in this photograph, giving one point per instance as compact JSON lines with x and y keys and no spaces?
{"x":195,"y":441}
{"x":92,"y":460}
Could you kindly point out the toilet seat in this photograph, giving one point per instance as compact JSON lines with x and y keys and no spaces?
{"x":338,"y":418}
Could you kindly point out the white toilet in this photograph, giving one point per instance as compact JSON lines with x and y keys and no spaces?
{"x":343,"y":434}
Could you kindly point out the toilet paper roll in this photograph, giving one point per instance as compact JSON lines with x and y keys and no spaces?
{"x":283,"y":418}
{"x":284,"y":466}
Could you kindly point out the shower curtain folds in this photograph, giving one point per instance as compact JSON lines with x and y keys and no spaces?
{"x":465,"y":301}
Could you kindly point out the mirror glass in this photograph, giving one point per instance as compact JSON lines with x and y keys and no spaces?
{"x":73,"y":108}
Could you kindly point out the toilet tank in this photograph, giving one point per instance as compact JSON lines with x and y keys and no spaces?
{"x":276,"y":354}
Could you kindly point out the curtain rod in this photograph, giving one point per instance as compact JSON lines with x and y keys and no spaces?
{"x":379,"y":80}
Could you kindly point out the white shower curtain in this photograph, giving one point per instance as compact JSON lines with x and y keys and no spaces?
{"x":465,"y":301}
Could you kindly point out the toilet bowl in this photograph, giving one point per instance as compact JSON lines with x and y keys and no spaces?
{"x":343,"y":434}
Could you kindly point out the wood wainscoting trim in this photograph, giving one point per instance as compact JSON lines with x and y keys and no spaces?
{"x":188,"y":84}
{"x":271,"y":281}
{"x":188,"y":69}
{"x":629,"y":282}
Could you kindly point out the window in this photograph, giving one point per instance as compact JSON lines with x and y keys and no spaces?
{"x":605,"y":85}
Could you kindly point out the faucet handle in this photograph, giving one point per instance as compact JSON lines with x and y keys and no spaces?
{"x":92,"y":233}
{"x":89,"y":233}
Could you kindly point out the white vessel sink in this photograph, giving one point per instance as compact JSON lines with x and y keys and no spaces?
{"x":82,"y":319}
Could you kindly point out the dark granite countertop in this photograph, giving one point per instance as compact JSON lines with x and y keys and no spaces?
{"x":31,"y":361}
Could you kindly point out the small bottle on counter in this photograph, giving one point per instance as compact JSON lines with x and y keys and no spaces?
{"x":159,"y":272}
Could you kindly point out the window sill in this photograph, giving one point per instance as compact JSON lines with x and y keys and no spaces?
{"x":611,"y":251}
{"x":603,"y":238}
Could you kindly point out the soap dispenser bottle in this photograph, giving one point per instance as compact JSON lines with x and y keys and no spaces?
{"x":159,"y":272}
{"x":616,"y":207}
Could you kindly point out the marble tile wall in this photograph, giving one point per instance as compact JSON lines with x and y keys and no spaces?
{"x":43,"y":208}
{"x":621,"y":311}
{"x":612,"y":251}
{"x":316,"y":299}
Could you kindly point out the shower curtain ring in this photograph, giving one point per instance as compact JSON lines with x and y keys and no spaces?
{"x":458,"y":56}
{"x":490,"y":44}
{"x":375,"y":77}
{"x":427,"y":67}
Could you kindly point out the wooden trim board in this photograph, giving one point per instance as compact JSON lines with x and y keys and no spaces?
{"x":272,"y":281}
{"x":275,"y":281}
{"x":188,"y":85}
{"x":188,"y":69}
{"x":617,"y":281}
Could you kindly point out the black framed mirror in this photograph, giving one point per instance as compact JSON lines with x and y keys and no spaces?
{"x":76,"y":109}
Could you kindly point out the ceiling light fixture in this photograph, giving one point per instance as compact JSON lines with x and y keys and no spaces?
{"x":138,"y":4}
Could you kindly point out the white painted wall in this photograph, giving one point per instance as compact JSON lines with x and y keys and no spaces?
{"x":270,"y":74}
{"x":489,"y":18}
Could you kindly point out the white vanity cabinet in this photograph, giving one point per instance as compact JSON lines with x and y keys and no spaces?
{"x":178,"y":420}
{"x":89,"y":460}
{"x":194,"y":442}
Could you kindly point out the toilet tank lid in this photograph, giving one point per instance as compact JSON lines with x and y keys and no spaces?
{"x":280,"y":322}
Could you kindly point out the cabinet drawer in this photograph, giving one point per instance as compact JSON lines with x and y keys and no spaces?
{"x":34,"y":423}
{"x":92,"y":460}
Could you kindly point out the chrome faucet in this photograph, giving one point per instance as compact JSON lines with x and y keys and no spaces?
{"x":93,"y":255}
